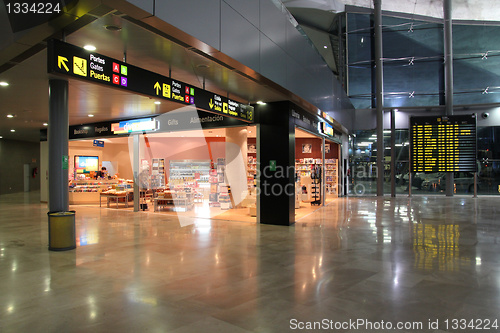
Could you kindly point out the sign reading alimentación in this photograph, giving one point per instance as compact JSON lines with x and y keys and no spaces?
{"x":443,"y":143}
{"x":68,"y":59}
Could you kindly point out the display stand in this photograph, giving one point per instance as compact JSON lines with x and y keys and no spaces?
{"x":224,"y":197}
{"x":298,"y":194}
{"x":305,"y":167}
{"x":213,"y":197}
{"x":144,"y":195}
{"x":331,"y":176}
{"x":316,"y":186}
{"x":251,"y":171}
{"x":158,"y":173}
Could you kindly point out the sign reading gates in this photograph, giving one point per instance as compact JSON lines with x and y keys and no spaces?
{"x":67,"y":59}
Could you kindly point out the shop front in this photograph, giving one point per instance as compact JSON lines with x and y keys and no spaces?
{"x":205,"y":156}
{"x":316,"y":165}
{"x":191,"y":164}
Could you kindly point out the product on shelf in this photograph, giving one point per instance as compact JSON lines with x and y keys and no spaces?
{"x":158,"y":173}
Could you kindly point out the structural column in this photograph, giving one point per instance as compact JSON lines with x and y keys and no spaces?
{"x":393,"y":153}
{"x":136,"y":171}
{"x":448,"y":77}
{"x":58,"y":134}
{"x":323,"y":173}
{"x":275,"y":146}
{"x":379,"y":95}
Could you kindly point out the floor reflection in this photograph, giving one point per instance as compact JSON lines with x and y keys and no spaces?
{"x":392,"y":259}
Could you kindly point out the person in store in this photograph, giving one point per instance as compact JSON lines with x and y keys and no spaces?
{"x":102,"y":173}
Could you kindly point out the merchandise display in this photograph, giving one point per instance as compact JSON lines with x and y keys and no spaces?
{"x":331,"y":176}
{"x":305,"y":168}
{"x":178,"y":173}
{"x":89,"y":191}
{"x":181,"y":199}
{"x":158,"y":173}
{"x":189,"y":171}
{"x":251,"y":171}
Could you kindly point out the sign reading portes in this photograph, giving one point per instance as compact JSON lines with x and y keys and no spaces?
{"x":67,"y":59}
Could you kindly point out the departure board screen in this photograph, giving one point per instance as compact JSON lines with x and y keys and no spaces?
{"x":443,"y":143}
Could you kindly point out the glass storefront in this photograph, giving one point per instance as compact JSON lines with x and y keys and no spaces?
{"x":317,"y":178}
{"x":194,"y":174}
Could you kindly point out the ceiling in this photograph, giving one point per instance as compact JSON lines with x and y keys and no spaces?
{"x":475,"y":10}
{"x":26,"y":97}
{"x":413,"y":49}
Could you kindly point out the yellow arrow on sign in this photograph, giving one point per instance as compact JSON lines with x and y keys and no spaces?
{"x":158,"y":88}
{"x":62,"y":61}
{"x":211,"y":104}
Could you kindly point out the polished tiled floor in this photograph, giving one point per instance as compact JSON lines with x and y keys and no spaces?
{"x":393,"y":260}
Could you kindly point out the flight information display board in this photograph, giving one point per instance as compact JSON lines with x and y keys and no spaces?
{"x":443,"y":143}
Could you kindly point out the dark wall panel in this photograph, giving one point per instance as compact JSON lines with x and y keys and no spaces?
{"x":273,"y":61}
{"x":248,"y":9}
{"x":13,"y":156}
{"x":201,"y":19}
{"x":234,"y":27}
{"x":273,"y":22}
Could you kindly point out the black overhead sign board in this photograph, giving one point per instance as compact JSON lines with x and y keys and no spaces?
{"x":443,"y":143}
{"x":168,"y":122}
{"x":67,"y":59}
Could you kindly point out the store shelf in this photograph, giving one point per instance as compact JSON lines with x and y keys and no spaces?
{"x":181,"y":171}
{"x":158,"y":173}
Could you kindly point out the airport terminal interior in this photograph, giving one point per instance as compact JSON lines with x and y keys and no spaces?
{"x":249,"y":166}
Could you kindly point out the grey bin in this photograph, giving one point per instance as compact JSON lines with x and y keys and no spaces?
{"x":62,"y":234}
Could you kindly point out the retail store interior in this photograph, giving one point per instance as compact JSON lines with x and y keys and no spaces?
{"x":207,"y":173}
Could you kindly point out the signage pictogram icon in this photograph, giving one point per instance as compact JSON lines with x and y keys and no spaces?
{"x":62,"y":61}
{"x":80,"y":66}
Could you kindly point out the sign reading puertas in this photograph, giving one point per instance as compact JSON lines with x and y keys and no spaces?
{"x":71,"y":60}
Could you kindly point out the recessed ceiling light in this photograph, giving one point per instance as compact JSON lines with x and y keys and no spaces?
{"x":10,"y":116}
{"x":157,"y":102}
{"x":1,"y":137}
{"x":325,"y":47}
{"x":91,"y":115}
{"x":12,"y":130}
{"x":3,"y":84}
{"x":89,"y":47}
{"x":45,"y":124}
{"x":261,"y":103}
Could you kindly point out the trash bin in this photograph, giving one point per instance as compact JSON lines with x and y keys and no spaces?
{"x":62,"y":235}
